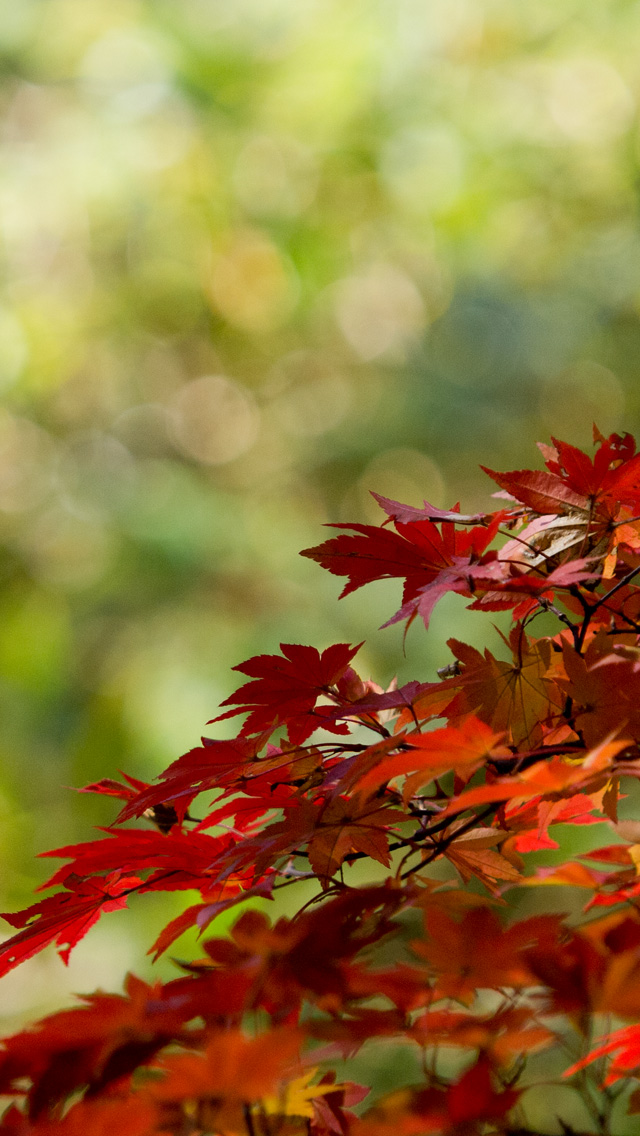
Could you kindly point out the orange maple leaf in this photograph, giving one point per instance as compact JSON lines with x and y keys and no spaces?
{"x":462,"y":748}
{"x":349,"y":826}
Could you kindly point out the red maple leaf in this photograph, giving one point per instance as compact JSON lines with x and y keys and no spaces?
{"x":286,"y":688}
{"x":95,"y":1044}
{"x":431,"y":562}
{"x":212,"y":765}
{"x":613,"y":473}
{"x":64,"y":918}
{"x":180,"y":859}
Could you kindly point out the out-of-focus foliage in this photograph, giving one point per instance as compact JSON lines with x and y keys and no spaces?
{"x":260,"y":257}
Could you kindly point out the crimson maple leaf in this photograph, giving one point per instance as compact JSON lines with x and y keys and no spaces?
{"x":64,"y":918}
{"x":613,"y":473}
{"x":286,"y":688}
{"x":187,"y":857}
{"x":431,"y":562}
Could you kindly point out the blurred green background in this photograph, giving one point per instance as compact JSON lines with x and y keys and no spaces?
{"x":260,"y":257}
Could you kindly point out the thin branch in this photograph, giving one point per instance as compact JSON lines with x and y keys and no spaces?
{"x":248,"y":1119}
{"x":616,"y":588}
{"x":441,"y":847}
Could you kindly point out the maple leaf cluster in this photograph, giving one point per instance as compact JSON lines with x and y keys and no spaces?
{"x":446,"y":788}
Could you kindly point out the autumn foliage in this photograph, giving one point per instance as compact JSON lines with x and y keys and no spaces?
{"x":417,"y":814}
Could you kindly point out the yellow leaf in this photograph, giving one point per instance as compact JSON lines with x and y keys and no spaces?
{"x":634,"y":852}
{"x":296,"y":1098}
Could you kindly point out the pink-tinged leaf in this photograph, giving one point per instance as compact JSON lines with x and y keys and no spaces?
{"x":540,"y":491}
{"x":573,"y":572}
{"x":373,"y":702}
{"x":408,"y":514}
{"x":451,"y":579}
{"x":110,"y":788}
{"x":508,"y":592}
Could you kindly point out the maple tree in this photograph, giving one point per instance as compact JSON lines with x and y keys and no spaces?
{"x":473,"y":773}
